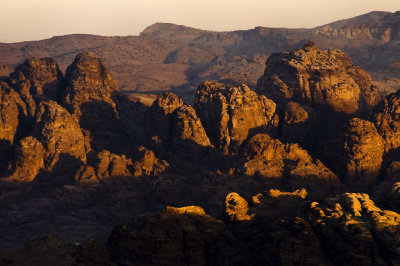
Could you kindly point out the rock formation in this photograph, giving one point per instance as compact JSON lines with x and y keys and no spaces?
{"x":12,"y":117}
{"x":59,"y":133}
{"x":297,"y":123}
{"x":187,"y":127}
{"x":89,"y":93}
{"x":232,"y":114}
{"x":37,"y":79}
{"x":271,"y":158}
{"x":88,"y":80}
{"x":325,"y":80}
{"x":387,"y":121}
{"x":12,"y":111}
{"x":29,"y":159}
{"x":363,"y":151}
{"x":158,"y":117}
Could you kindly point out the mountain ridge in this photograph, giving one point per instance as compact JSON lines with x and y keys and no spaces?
{"x":173,"y":57}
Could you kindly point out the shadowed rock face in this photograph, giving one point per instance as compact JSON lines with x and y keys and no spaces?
{"x":297,"y":123}
{"x":158,"y":117}
{"x":231,"y":114}
{"x":186,"y":126}
{"x":291,"y":164}
{"x":325,"y":80}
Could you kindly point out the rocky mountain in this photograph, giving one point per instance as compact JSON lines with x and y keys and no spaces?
{"x":172,"y":57}
{"x":302,"y":170}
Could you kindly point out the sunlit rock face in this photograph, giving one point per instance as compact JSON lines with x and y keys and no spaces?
{"x":231,"y":114}
{"x":326,"y":80}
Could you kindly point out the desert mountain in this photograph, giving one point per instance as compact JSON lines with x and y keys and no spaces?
{"x":172,"y":57}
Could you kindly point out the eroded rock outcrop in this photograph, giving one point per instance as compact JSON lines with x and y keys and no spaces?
{"x":158,"y":118}
{"x":356,"y":230}
{"x":37,"y":79}
{"x":59,"y":133}
{"x":29,"y":159}
{"x":325,"y":80}
{"x":232,"y":114}
{"x":90,"y":89}
{"x":107,"y":164}
{"x":271,"y":158}
{"x":187,"y":127}
{"x":12,"y":113}
{"x":387,"y":121}
{"x":236,"y":208}
{"x":12,"y":117}
{"x":88,"y":80}
{"x":363,"y":151}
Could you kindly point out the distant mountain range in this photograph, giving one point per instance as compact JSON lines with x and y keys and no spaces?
{"x":173,"y":57}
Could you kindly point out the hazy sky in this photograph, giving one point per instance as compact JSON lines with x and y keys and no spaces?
{"x":38,"y":19}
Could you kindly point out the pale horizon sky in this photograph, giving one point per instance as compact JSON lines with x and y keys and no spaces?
{"x":26,"y":20}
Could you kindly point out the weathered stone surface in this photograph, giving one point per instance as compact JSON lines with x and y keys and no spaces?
{"x":88,"y":80}
{"x":12,"y":110}
{"x":59,"y":133}
{"x":387,"y":121}
{"x":29,"y":159}
{"x":357,"y":231}
{"x":12,"y":117}
{"x":297,"y":122}
{"x":271,"y":158}
{"x":236,"y":208}
{"x":89,"y":93}
{"x":158,"y":117}
{"x":39,"y":78}
{"x":232,"y":114}
{"x":363,"y":151}
{"x":187,"y":127}
{"x":109,"y":165}
{"x":326,"y":80}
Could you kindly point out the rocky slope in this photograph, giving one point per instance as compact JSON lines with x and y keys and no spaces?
{"x":79,"y":157}
{"x":171,"y":57}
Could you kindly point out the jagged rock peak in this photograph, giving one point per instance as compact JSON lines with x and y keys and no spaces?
{"x":323,"y":79}
{"x":40,"y":77}
{"x":87,"y":80}
{"x":231,"y":114}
